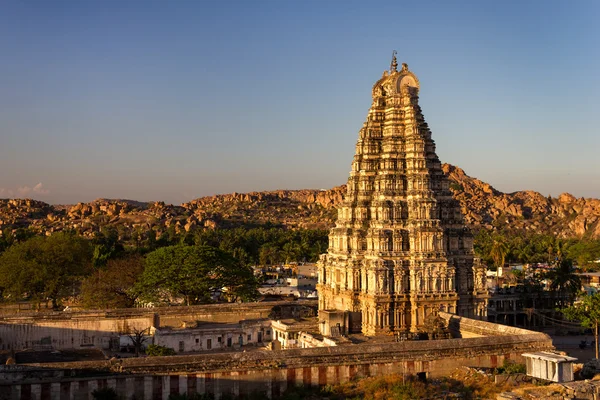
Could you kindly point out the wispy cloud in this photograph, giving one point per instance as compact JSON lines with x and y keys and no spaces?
{"x":25,"y":191}
{"x":39,"y":189}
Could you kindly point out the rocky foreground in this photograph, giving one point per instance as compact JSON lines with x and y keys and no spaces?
{"x":483,"y":206}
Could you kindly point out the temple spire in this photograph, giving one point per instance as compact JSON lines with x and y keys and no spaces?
{"x":400,"y":250}
{"x":394,"y":64}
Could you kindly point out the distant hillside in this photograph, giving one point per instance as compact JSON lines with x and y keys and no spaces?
{"x":483,"y":206}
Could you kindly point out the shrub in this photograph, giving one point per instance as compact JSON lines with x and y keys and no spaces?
{"x":511,"y":367}
{"x":155,"y":350}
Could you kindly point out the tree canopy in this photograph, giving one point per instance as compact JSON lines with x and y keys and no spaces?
{"x":44,"y":268}
{"x":587,"y":312}
{"x":564,"y":280}
{"x":527,"y":247}
{"x":195,"y":273}
{"x":113,"y":286}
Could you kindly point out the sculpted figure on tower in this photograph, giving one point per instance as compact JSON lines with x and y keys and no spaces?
{"x":400,"y":250}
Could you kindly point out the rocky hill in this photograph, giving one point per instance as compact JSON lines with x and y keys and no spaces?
{"x":483,"y":206}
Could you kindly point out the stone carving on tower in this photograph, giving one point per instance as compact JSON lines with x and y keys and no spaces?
{"x":400,"y":250}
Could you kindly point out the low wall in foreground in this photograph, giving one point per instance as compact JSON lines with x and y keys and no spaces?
{"x":272,"y":372}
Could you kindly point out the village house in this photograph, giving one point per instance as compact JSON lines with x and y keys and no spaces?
{"x":215,"y":336}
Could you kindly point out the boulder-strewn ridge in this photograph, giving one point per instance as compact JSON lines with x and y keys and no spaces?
{"x":483,"y":206}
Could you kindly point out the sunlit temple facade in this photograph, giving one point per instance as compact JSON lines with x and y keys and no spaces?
{"x":400,"y":250}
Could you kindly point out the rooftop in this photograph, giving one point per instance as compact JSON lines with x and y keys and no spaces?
{"x":548,"y":356}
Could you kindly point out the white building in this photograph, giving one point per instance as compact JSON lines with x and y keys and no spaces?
{"x":215,"y":336}
{"x":288,"y":332}
{"x":549,"y":366}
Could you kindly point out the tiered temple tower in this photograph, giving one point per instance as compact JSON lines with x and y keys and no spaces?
{"x":400,"y":250}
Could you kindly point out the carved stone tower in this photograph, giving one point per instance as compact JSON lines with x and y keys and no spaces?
{"x":400,"y":250}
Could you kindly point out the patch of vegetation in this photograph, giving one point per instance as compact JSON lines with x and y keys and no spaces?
{"x":527,"y":247}
{"x":511,"y":367}
{"x":154,"y":350}
{"x":464,"y":385}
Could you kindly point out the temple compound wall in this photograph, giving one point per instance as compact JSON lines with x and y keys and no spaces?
{"x":271,"y":372}
{"x":101,"y":329}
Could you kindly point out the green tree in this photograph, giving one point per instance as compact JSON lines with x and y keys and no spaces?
{"x":8,"y":237}
{"x":268,"y":255}
{"x":290,"y":252}
{"x":498,"y":251}
{"x":106,"y":246}
{"x":587,"y":312}
{"x":195,"y":273}
{"x":564,"y":280}
{"x":113,"y":286}
{"x":45,"y":268}
{"x":154,"y":350}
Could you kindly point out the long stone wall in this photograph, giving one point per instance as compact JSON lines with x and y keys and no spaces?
{"x":73,"y":330}
{"x":268,"y":372}
{"x":272,"y":372}
{"x":77,"y":331}
{"x":468,"y":328}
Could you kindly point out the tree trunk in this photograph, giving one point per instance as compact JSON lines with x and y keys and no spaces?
{"x":596,"y":338}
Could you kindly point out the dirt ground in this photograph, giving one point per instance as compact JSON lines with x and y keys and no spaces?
{"x":570,"y":345}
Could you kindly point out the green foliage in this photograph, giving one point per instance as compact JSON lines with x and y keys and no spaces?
{"x":44,"y":268}
{"x":106,"y":246}
{"x":113,"y":286}
{"x":511,"y":367}
{"x":105,"y":393}
{"x":155,"y":350}
{"x":525,"y":247}
{"x":564,"y":280}
{"x":584,"y":253}
{"x":587,"y":312}
{"x":402,"y":388}
{"x":8,"y":238}
{"x":266,"y":246}
{"x":109,"y":283}
{"x":499,"y":251}
{"x":195,"y":273}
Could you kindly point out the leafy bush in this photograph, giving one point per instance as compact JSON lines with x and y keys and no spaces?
{"x":155,"y":350}
{"x":511,"y":367}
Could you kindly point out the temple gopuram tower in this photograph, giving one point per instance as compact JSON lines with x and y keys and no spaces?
{"x":400,"y":250}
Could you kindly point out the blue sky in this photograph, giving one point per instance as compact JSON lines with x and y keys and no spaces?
{"x":173,"y":100}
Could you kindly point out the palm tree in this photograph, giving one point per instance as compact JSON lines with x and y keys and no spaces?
{"x":564,"y":280}
{"x":498,"y":253}
{"x":268,"y":255}
{"x":290,"y":252}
